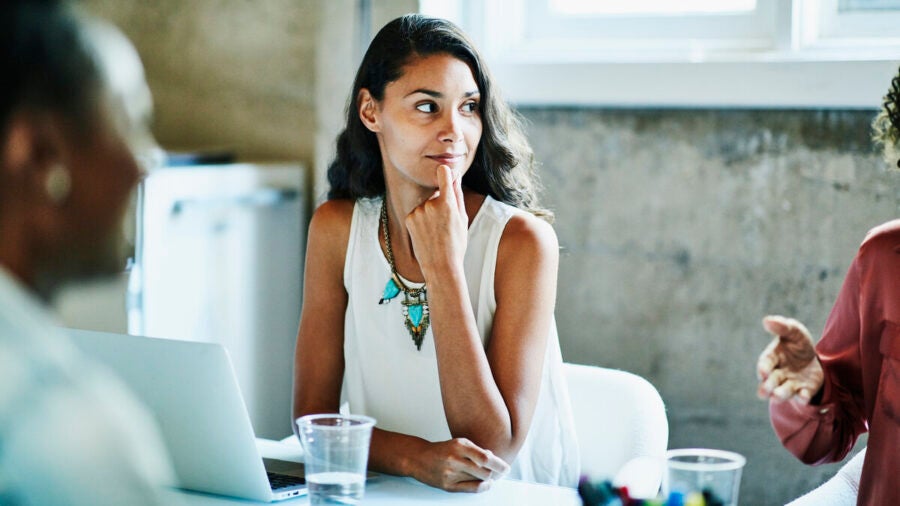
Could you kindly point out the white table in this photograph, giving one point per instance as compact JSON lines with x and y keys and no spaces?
{"x":391,"y":490}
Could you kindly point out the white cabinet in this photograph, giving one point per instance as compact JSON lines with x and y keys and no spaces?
{"x":219,"y":258}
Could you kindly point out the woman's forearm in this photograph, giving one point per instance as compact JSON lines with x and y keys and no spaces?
{"x":473,"y":404}
{"x":394,"y":453}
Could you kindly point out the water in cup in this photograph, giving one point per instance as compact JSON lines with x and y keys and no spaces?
{"x":716,"y":473}
{"x":336,"y":487}
{"x":336,"y":451}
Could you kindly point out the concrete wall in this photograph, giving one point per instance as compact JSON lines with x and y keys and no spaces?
{"x":234,"y":75}
{"x":265,"y":80}
{"x":680,"y":229}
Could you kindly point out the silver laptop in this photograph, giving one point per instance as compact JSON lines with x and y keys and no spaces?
{"x":192,"y":390}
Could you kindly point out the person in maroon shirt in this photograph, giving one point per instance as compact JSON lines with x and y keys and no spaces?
{"x":823,"y":396}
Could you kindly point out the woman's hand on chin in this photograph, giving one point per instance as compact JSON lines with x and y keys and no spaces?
{"x":439,"y":226}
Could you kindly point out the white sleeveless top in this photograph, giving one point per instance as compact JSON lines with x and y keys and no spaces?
{"x":387,"y":378}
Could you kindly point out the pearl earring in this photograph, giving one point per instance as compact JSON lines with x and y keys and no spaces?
{"x":58,"y":183}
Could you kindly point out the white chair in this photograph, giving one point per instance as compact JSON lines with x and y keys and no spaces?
{"x":840,"y":490}
{"x":621,"y":425}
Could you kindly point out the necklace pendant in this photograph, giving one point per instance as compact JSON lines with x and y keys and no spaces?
{"x":390,"y":291}
{"x":416,"y":317}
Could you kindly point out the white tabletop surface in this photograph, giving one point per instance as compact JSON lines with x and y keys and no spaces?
{"x":391,"y":490}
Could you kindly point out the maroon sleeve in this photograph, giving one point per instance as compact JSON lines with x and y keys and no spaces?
{"x":826,"y":432}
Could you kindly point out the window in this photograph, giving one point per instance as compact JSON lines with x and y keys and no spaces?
{"x":645,"y":7}
{"x":868,"y":5}
{"x":616,"y":30}
{"x":734,"y":53}
{"x":862,"y":26}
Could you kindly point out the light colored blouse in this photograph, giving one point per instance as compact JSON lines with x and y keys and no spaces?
{"x":386,"y":377}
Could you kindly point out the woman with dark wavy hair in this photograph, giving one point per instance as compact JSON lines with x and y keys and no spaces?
{"x":823,"y":396}
{"x":431,"y":276}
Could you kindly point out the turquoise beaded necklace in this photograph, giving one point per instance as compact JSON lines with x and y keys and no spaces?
{"x":415,"y":301}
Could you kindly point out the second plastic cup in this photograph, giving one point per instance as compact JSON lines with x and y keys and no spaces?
{"x":336,"y":449}
{"x":716,"y":473}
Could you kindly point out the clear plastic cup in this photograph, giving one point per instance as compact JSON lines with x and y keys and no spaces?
{"x":702,"y":470}
{"x":336,"y":451}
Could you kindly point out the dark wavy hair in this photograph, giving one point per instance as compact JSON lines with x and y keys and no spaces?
{"x":504,"y":162}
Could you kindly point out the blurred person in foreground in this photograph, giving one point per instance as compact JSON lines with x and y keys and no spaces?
{"x":74,"y":108}
{"x":823,"y":396}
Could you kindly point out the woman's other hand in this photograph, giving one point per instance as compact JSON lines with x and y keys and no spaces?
{"x":459,"y":465}
{"x":788,"y":367}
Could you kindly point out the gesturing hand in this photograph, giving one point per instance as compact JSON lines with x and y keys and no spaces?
{"x":788,"y":367}
{"x":438,"y":226}
{"x":459,"y":465}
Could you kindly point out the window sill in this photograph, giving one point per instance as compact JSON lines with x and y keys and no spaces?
{"x":773,"y":82}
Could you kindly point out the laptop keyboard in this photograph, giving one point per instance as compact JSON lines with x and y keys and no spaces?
{"x":279,"y":481}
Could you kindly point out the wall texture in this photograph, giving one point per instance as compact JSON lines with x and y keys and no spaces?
{"x":264,"y":80}
{"x":680,"y":229}
{"x":236,"y":76}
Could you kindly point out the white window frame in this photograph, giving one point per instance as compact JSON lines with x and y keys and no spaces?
{"x":803,"y":54}
{"x":824,"y":29}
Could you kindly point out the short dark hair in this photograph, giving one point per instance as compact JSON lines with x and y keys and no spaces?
{"x":47,"y":64}
{"x":504,"y":162}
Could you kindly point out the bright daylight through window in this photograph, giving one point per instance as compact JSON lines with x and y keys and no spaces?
{"x":614,"y":7}
{"x":685,"y":53}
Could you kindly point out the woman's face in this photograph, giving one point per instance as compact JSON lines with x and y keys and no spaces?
{"x":428,"y":117}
